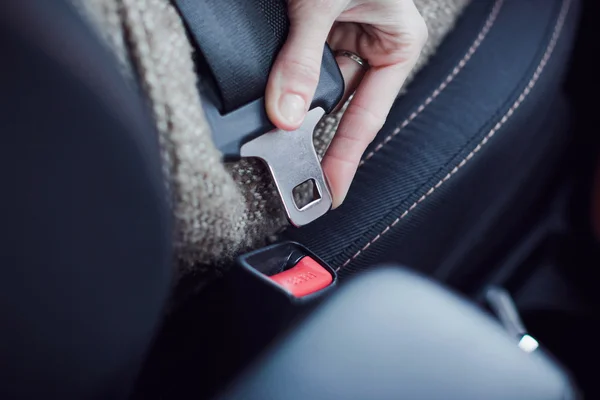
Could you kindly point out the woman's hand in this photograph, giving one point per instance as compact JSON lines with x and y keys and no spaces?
{"x":389,"y":34}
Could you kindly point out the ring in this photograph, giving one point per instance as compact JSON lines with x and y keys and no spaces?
{"x":354,"y":57}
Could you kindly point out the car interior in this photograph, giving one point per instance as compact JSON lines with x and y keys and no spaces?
{"x":461,"y":265}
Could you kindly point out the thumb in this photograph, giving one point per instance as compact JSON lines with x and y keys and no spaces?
{"x":295,"y":74}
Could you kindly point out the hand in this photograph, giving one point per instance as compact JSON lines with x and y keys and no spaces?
{"x":389,"y":34}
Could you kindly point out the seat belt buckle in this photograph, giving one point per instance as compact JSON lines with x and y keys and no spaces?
{"x":289,"y":155}
{"x":286,"y":273}
{"x":292,"y":161}
{"x":237,"y":43}
{"x":238,"y":121}
{"x":270,"y":288}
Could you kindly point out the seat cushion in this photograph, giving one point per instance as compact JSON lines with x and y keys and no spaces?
{"x":465,"y":151}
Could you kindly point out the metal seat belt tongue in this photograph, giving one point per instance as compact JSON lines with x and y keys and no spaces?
{"x":292,"y":160}
{"x":237,"y":43}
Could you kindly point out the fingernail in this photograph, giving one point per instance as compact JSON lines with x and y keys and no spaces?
{"x":292,"y":108}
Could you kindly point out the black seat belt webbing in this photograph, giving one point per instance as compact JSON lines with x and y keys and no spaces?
{"x":239,"y":40}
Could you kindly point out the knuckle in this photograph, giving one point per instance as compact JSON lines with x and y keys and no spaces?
{"x":340,"y":152}
{"x":414,"y":32}
{"x":370,"y":122}
{"x":301,"y":7}
{"x":410,"y":35}
{"x":421,"y":32}
{"x":410,"y":43}
{"x":415,"y":35}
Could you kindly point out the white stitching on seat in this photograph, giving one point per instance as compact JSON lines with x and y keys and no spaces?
{"x":482,"y":34}
{"x":532,"y":82}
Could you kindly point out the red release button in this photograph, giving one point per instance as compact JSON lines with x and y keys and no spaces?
{"x":306,"y":277}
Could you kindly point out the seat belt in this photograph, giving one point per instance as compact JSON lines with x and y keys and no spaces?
{"x":237,"y":42}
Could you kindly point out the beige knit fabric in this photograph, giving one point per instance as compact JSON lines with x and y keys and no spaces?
{"x":219,"y":209}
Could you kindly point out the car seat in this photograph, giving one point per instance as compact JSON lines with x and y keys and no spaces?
{"x":462,"y":159}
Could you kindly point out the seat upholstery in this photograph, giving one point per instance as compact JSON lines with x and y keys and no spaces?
{"x":465,"y":151}
{"x":485,"y":98}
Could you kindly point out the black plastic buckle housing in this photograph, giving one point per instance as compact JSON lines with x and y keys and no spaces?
{"x":255,"y":268}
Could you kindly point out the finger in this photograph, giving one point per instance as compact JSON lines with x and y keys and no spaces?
{"x":363,"y":118}
{"x":370,"y":105}
{"x":295,"y":73}
{"x":352,"y":72}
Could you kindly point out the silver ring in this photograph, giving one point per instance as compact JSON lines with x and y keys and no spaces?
{"x":354,"y":57}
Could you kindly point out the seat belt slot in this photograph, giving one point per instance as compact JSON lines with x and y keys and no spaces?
{"x":288,"y":271}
